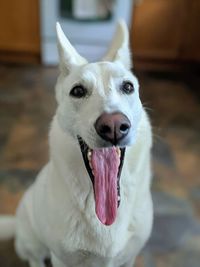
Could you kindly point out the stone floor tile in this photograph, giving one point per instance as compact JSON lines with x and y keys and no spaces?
{"x":167,"y":204}
{"x":26,"y":146}
{"x":8,"y":257}
{"x":178,"y":259}
{"x":139,"y":262}
{"x":171,"y":232}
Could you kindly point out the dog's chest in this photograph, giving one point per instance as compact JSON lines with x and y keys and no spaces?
{"x":83,"y":258}
{"x":100,"y":241}
{"x":86,"y":233}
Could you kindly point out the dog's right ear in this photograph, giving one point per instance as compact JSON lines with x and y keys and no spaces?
{"x":68,"y":56}
{"x":119,"y":49}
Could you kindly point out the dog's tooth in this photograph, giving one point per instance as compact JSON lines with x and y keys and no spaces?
{"x":118,"y":198}
{"x":90,"y":164}
{"x":89,"y":154}
{"x":118,"y":151}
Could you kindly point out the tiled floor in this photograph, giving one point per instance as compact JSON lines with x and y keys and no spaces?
{"x":173,"y":102}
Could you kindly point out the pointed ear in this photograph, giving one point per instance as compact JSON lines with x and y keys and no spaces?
{"x":68,"y":56}
{"x":119,"y":48}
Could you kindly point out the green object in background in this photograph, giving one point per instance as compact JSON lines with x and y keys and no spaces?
{"x":66,"y":8}
{"x":85,"y":10}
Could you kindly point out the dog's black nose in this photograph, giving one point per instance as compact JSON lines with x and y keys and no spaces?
{"x":112,"y":127}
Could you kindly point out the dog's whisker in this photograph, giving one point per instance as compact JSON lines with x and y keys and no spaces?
{"x":157,"y":137}
{"x":148,"y":109}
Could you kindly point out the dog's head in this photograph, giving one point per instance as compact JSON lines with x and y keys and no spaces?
{"x":99,"y":106}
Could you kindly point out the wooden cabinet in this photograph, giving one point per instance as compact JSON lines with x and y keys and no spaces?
{"x":166,"y":30}
{"x":19,"y":31}
{"x":190,"y":48}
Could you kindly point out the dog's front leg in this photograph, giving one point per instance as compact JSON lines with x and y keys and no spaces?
{"x":56,"y":262}
{"x":33,"y":263}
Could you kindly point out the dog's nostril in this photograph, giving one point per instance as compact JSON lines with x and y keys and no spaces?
{"x":105,"y":129}
{"x":124,"y":128}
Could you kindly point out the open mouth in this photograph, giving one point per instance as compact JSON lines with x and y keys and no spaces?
{"x":104,"y":166}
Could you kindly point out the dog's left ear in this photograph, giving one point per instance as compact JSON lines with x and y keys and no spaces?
{"x":119,"y":49}
{"x":68,"y":56}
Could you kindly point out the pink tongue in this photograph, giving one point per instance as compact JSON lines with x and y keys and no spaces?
{"x":105,"y":163}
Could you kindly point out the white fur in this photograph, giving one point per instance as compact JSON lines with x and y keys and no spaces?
{"x":7,"y":227}
{"x":56,"y":216}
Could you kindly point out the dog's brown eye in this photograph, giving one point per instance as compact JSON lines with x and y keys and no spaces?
{"x":127,"y":88}
{"x":78,"y":91}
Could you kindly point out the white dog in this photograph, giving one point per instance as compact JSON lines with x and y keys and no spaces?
{"x":90,"y":206}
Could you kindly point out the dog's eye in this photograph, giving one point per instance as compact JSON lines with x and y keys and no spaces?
{"x":78,"y":91}
{"x":127,"y":88}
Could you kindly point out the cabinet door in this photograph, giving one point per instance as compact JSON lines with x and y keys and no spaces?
{"x":19,"y":28}
{"x":190,"y":49}
{"x":157,"y":29}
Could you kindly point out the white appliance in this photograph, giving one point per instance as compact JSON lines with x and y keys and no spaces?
{"x":91,"y":38}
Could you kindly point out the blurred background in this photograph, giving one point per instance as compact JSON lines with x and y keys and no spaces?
{"x":165,"y":44}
